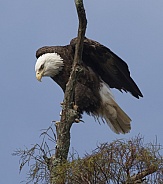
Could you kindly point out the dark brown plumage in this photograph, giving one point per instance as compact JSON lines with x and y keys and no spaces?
{"x":100,"y":67}
{"x":112,"y":69}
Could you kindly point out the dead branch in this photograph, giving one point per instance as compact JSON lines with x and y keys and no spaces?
{"x":68,"y":113}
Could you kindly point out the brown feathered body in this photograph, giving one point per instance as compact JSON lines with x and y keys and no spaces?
{"x":101,"y":70}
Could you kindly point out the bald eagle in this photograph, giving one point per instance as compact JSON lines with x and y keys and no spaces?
{"x":101,"y":70}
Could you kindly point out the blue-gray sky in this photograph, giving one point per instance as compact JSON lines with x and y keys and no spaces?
{"x":132,"y":29}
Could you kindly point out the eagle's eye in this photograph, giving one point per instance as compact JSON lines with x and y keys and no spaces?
{"x":41,"y":67}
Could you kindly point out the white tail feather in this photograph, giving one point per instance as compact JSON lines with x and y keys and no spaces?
{"x":115,"y":117}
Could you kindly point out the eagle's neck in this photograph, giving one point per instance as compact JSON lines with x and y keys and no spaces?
{"x":53,"y":64}
{"x":63,"y":75}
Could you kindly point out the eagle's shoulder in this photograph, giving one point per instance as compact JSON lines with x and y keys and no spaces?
{"x":61,"y":50}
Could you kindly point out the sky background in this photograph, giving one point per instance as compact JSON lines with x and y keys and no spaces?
{"x":131,"y":29}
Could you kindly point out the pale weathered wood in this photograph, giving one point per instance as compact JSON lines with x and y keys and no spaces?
{"x":68,"y":113}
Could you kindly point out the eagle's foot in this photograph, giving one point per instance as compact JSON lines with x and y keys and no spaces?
{"x":75,"y":107}
{"x":57,"y":122}
{"x":78,"y":120}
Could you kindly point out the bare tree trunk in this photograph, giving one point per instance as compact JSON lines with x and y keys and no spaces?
{"x":69,"y":114}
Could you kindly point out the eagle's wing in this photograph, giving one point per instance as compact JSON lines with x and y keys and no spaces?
{"x":112,"y":69}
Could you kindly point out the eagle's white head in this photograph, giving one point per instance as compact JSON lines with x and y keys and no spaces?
{"x":49,"y":64}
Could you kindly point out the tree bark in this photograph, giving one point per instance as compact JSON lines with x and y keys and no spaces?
{"x":69,"y":114}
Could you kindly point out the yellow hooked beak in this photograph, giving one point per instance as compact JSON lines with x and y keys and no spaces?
{"x":39,"y":75}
